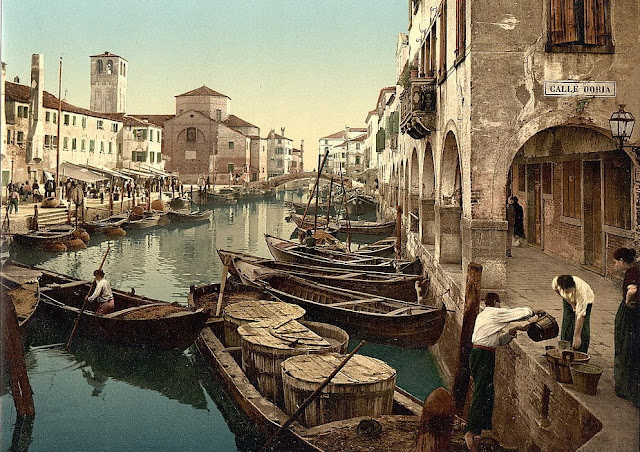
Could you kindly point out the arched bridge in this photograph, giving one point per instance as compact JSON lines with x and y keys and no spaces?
{"x":279,"y":180}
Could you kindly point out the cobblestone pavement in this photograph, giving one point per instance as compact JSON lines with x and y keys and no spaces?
{"x":529,"y":275}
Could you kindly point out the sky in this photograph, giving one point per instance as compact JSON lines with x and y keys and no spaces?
{"x":310,"y":66}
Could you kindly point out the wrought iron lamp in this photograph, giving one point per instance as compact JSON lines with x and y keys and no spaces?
{"x":621,"y":124}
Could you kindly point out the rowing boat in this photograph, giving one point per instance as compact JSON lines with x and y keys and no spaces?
{"x":25,"y":298}
{"x":137,"y":321}
{"x":344,"y":435}
{"x":392,"y":285}
{"x":350,"y":227}
{"x":371,"y":317}
{"x":113,"y":221}
{"x":287,"y":251}
{"x":147,"y":220}
{"x":186,"y":216}
{"x":44,"y":237}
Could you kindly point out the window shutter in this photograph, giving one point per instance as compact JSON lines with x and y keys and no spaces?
{"x":562,"y":22}
{"x":594,"y":22}
{"x":443,"y":39}
{"x":461,"y":26}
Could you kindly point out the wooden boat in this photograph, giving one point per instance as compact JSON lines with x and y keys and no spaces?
{"x":186,"y":216}
{"x":137,"y":321}
{"x":147,"y":220}
{"x":180,"y":203}
{"x":300,"y":207}
{"x":392,"y":285}
{"x":360,"y":204}
{"x":269,"y":416}
{"x":287,"y":251}
{"x":351,"y":227}
{"x":25,"y":296}
{"x":371,"y":317}
{"x":113,"y":221}
{"x":381,"y":248}
{"x":44,"y":237}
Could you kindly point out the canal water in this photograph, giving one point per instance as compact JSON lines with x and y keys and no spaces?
{"x":102,"y":397}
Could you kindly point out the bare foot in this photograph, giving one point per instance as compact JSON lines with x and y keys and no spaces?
{"x":470,"y":441}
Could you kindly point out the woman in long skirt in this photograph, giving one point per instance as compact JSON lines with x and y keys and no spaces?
{"x":626,"y":370}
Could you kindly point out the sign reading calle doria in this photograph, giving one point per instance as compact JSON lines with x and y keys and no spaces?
{"x":572,"y":88}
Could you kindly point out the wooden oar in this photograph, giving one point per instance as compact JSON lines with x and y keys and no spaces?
{"x":223,"y":282}
{"x":86,"y":300}
{"x":313,"y":395}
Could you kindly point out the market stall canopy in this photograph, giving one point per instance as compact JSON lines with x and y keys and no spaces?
{"x":136,"y":172}
{"x":108,"y":172}
{"x":81,"y":173}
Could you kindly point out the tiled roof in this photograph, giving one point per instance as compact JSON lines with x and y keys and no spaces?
{"x":277,"y":136}
{"x":337,"y":135}
{"x":383,"y":91}
{"x":234,"y":121}
{"x":157,"y":120}
{"x":108,"y":54}
{"x":360,"y":137}
{"x":20,"y":93}
{"x":203,"y":91}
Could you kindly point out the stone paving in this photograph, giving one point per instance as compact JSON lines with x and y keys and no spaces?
{"x":529,"y":275}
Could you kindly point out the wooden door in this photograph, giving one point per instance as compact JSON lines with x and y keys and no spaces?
{"x":592,"y":213}
{"x":534,"y":204}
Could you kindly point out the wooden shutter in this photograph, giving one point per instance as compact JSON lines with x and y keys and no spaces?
{"x":562,"y":22}
{"x":595,"y":30}
{"x":461,"y":26}
{"x":443,"y":39}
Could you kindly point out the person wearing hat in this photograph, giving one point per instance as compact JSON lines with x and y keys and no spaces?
{"x":487,"y":335}
{"x":102,"y":294}
{"x":309,"y":242}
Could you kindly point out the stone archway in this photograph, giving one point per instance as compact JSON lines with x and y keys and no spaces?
{"x":427,"y":198}
{"x":413,"y":170}
{"x":449,"y":211}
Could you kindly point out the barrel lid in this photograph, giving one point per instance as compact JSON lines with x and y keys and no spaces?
{"x":258,"y":310}
{"x":358,"y":370}
{"x":284,"y":334}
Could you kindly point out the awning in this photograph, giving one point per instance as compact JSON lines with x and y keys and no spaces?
{"x":80,"y":173}
{"x":108,"y":172}
{"x":135,"y":172}
{"x":48,"y":175}
{"x":156,"y":171}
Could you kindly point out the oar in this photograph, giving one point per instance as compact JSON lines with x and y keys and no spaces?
{"x":86,"y":300}
{"x":223,"y":282}
{"x":313,"y":395}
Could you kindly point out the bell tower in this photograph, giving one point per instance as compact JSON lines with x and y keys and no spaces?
{"x":108,"y":83}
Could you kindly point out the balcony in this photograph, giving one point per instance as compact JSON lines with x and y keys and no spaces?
{"x":418,"y":108}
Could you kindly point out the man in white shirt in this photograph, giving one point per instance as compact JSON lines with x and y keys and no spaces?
{"x":102,"y":294}
{"x":577,"y":300}
{"x":488,"y":334}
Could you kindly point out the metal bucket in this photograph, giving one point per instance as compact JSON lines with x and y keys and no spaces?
{"x":560,"y":360}
{"x":585,"y":377}
{"x":543,"y":329}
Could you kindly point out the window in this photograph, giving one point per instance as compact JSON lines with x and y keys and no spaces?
{"x":84,"y":123}
{"x":114,"y":127}
{"x":326,"y":141}
{"x":191,"y":134}
{"x":442,"y":69}
{"x":218,"y":115}
{"x":66,"y":120}
{"x":150,"y":135}
{"x":151,"y":155}
{"x":92,"y":145}
{"x":230,"y":168}
{"x":280,"y":163}
{"x":110,"y":151}
{"x":577,"y":23}
{"x":159,"y":157}
{"x":74,"y":120}
{"x":571,"y":198}
{"x":99,"y":124}
{"x":8,"y":136}
{"x":139,"y":156}
{"x":100,"y":67}
{"x":65,"y":143}
{"x":54,"y":141}
{"x":279,"y":141}
{"x":357,"y":146}
{"x":74,"y":144}
{"x":109,"y":67}
{"x":20,"y":137}
{"x":231,"y":145}
{"x":357,"y":159}
{"x":102,"y":147}
{"x":119,"y":148}
{"x":158,"y":135}
{"x":278,"y":151}
{"x":55,"y":117}
{"x":83,"y":145}
{"x":617,"y":196}
{"x":47,"y":116}
{"x":23,"y":112}
{"x":461,"y":27}
{"x":47,"y":141}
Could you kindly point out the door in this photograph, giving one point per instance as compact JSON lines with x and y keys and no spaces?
{"x":534,"y":204}
{"x":592,"y":213}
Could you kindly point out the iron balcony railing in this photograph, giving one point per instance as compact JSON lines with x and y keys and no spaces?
{"x":418,"y":107}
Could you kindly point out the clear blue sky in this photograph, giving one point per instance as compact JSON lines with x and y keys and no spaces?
{"x":311,"y":66}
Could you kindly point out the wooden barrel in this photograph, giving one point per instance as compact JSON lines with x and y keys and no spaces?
{"x":543,"y":329}
{"x":364,"y":387}
{"x":50,"y":202}
{"x":560,"y":360}
{"x":243,"y":312}
{"x":265,"y":345}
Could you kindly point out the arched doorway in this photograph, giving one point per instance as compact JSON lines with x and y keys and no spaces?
{"x":414,"y":192}
{"x":427,"y":198}
{"x":449,"y":212}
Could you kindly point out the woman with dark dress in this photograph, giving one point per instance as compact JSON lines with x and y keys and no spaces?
{"x":626,"y":368}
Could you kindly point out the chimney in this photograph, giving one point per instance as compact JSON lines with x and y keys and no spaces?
{"x":16,"y":79}
{"x":35,"y":143}
{"x":282,"y":130}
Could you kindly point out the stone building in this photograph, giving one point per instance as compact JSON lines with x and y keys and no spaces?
{"x":108,"y":83}
{"x":297,"y":159}
{"x":337,"y":158}
{"x":535,"y":125}
{"x":279,"y":153}
{"x":205,"y":140}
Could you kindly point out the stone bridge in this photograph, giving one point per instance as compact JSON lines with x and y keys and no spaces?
{"x":279,"y":180}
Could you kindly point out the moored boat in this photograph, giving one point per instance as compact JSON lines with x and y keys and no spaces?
{"x":186,"y":216}
{"x":25,"y":296}
{"x":113,"y":221}
{"x":42,"y":238}
{"x":180,"y":203}
{"x":392,"y":285}
{"x":137,"y":321}
{"x":371,"y":317}
{"x":360,"y":204}
{"x":269,"y":416}
{"x":350,"y":227}
{"x":147,"y":220}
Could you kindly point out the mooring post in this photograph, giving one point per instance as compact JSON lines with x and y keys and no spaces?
{"x":436,"y":422}
{"x":13,"y":357}
{"x":398,"y":232}
{"x":460,"y":384}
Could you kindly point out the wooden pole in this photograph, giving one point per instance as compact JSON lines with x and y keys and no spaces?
{"x":223,"y":282}
{"x":13,"y":357}
{"x":346,"y":212}
{"x":324,"y":160}
{"x":460,"y":384}
{"x":110,"y":202}
{"x":313,"y":395}
{"x":86,"y":300}
{"x":329,"y":200}
{"x":436,"y":422}
{"x":398,"y":232}
{"x":58,"y":141}
{"x":34,"y":224}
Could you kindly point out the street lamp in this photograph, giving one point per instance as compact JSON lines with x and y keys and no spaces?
{"x":621,"y":123}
